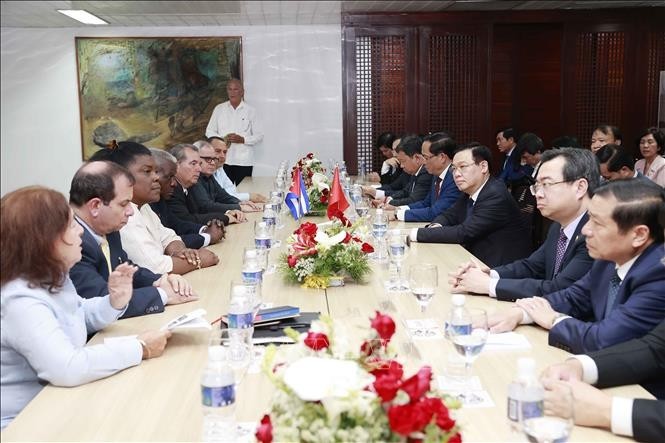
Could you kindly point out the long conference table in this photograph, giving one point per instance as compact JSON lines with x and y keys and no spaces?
{"x":160,"y":399}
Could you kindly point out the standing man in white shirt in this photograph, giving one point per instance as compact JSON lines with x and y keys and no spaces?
{"x":235,"y":121}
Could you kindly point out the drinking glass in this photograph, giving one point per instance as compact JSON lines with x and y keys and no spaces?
{"x":552,"y":428}
{"x":362,"y":208}
{"x":397,"y":252}
{"x":469,"y":338}
{"x":379,"y":230}
{"x":244,"y":303}
{"x":423,"y":281}
{"x":259,"y":256}
{"x":276,"y":203}
{"x":356,"y":193}
{"x":236,"y":352}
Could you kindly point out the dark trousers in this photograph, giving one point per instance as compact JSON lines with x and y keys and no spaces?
{"x":237,"y":173}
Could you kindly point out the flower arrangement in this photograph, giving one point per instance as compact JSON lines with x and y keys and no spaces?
{"x":316,"y":182}
{"x":316,"y":254}
{"x":327,"y":391}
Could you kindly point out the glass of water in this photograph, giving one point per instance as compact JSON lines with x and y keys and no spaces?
{"x":550,"y":428}
{"x":397,"y":253}
{"x":469,"y":341}
{"x":379,"y":230}
{"x":236,"y":352}
{"x":423,"y":281}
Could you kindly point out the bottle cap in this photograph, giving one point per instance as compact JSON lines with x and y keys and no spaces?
{"x":458,"y":299}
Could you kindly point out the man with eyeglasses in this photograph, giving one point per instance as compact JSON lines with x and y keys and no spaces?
{"x":622,"y":296}
{"x":182,"y":203}
{"x":209,"y":196}
{"x":485,"y":219}
{"x":565,"y":182}
{"x":437,"y":151}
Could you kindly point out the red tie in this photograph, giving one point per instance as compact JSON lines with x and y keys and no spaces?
{"x":437,"y":189}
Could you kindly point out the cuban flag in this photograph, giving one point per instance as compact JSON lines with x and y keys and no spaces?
{"x":296,"y":199}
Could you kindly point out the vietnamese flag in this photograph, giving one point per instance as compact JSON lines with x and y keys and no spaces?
{"x":337,"y":200}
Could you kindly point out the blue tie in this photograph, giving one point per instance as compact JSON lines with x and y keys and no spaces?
{"x":469,"y":207}
{"x":615,"y":282}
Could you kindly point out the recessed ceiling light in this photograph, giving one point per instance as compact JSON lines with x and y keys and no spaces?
{"x":82,"y":16}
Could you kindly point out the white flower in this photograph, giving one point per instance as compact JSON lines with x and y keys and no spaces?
{"x":313,"y":379}
{"x":325,"y":241}
{"x":320,"y":181}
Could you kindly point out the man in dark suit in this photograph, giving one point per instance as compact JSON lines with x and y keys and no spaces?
{"x":100,"y":196}
{"x":437,"y":150}
{"x":511,"y":172}
{"x":566,"y":180}
{"x":182,"y":203}
{"x":616,"y":162}
{"x":622,"y":296}
{"x":485,"y":219}
{"x":194,"y":235}
{"x":418,"y":185}
{"x":635,"y":361}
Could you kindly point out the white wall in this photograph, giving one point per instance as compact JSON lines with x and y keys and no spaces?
{"x":292,"y":76}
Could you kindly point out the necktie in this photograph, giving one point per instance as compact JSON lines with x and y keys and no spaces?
{"x":437,"y":188}
{"x":107,"y":253}
{"x":615,"y":282}
{"x":560,"y":250}
{"x":469,"y":207}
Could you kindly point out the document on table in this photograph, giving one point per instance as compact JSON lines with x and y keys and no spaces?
{"x":506,"y":341}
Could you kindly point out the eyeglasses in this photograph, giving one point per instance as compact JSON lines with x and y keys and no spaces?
{"x":545,"y":186}
{"x":461,"y":168}
{"x":209,"y":159}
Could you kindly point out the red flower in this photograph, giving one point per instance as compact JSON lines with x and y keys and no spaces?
{"x":339,"y":215}
{"x":387,"y":368}
{"x":316,"y":341}
{"x":291,"y":260}
{"x":308,"y":228}
{"x":367,"y":248}
{"x":384,"y":326}
{"x":412,"y":417}
{"x":440,"y":410}
{"x":347,"y":238}
{"x":386,"y":387}
{"x":418,"y":385}
{"x":264,"y":430}
{"x":310,"y":155}
{"x":457,"y":438}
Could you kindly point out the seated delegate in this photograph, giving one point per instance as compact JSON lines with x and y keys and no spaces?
{"x":45,"y":323}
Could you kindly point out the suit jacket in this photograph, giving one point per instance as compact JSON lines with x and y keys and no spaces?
{"x":616,"y":366}
{"x":211,"y":197}
{"x":494,"y":231}
{"x":391,"y":175}
{"x":184,"y":207}
{"x":534,"y":275}
{"x":640,"y":305}
{"x":399,"y":182}
{"x":188,"y":231}
{"x":429,"y":207}
{"x":91,"y":274}
{"x":415,"y":190}
{"x":514,"y":173}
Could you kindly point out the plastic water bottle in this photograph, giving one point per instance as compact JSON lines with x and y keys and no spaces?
{"x":361,"y":171}
{"x":458,"y":319}
{"x":218,"y":398}
{"x":525,"y":395}
{"x":269,"y":215}
{"x":241,"y":314}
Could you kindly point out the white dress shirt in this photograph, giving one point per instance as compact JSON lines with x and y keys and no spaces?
{"x":144,"y":239}
{"x":242,"y":121}
{"x":621,"y":422}
{"x":226,"y":184}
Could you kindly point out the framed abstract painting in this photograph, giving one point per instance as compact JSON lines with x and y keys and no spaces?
{"x":157,"y":91}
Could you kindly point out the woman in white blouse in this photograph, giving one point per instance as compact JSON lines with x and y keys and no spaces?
{"x":652,"y":164}
{"x":45,"y":323}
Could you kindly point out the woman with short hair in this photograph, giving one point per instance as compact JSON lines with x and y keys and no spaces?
{"x":45,"y":323}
